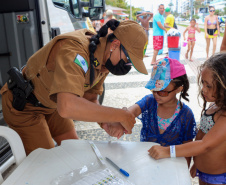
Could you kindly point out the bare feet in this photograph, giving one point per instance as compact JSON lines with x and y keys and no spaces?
{"x":190,"y":60}
{"x":146,"y":56}
{"x":186,"y":55}
{"x":153,"y":62}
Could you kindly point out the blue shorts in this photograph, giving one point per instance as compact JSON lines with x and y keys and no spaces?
{"x":210,"y":178}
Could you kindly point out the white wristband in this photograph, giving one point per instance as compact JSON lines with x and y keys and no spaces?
{"x":172,"y":151}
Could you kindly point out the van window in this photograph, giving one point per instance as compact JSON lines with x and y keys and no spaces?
{"x":75,"y":7}
{"x":66,"y":5}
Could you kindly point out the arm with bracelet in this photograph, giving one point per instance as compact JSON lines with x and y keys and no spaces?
{"x":211,"y":140}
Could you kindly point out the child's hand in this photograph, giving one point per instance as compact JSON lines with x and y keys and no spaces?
{"x":193,"y":171}
{"x":207,"y":36}
{"x":114,"y":129}
{"x":197,"y":24}
{"x":184,"y":38}
{"x":159,"y":152}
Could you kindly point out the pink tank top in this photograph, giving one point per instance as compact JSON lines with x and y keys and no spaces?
{"x":190,"y":31}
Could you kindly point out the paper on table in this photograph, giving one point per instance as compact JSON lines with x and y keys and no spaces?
{"x":93,"y":174}
{"x":101,"y":177}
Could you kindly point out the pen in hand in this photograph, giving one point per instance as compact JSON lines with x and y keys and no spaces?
{"x":116,"y":166}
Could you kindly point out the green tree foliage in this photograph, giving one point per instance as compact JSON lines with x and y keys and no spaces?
{"x":218,"y":12}
{"x":175,"y":13}
{"x":224,"y":10}
{"x":117,"y":3}
{"x":123,"y":4}
{"x":221,"y":12}
{"x":198,"y":4}
{"x":195,"y":17}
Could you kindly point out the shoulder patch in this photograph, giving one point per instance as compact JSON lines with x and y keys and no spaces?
{"x":81,"y":62}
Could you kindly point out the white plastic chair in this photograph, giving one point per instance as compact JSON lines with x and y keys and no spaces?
{"x":17,"y":148}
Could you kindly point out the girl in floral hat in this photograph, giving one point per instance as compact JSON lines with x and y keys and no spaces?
{"x":166,"y":119}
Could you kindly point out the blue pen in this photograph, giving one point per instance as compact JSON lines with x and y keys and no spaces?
{"x":120,"y":169}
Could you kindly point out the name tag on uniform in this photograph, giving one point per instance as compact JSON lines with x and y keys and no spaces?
{"x":81,"y":62}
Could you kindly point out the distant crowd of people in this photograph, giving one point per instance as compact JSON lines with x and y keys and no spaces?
{"x":162,"y":26}
{"x":108,"y":15}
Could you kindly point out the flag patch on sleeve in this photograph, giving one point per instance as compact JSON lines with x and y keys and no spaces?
{"x":81,"y":62}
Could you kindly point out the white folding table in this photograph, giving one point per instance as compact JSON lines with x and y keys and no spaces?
{"x":43,"y":166}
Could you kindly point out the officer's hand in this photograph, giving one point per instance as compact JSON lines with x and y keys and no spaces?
{"x":159,"y":152}
{"x":128,"y":121}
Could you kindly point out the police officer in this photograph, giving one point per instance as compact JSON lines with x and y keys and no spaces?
{"x":67,"y":75}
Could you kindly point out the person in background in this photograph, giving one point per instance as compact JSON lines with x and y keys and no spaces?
{"x":212,"y":30}
{"x":109,"y":16}
{"x":191,"y":37}
{"x":102,"y":20}
{"x":209,"y":149}
{"x":144,"y":19}
{"x":97,"y":25}
{"x":158,"y":32}
{"x":169,"y":22}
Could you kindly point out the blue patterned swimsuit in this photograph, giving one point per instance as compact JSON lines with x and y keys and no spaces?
{"x":182,"y":128}
{"x":164,"y":123}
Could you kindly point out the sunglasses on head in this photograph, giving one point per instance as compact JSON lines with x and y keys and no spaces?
{"x":212,"y":10}
{"x":163,"y":93}
{"x":126,"y":54}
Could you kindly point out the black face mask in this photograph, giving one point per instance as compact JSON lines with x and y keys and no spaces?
{"x":121,"y":68}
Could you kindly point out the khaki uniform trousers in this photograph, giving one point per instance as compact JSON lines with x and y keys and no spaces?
{"x":35,"y":125}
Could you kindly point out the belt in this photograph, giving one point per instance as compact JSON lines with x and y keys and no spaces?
{"x":34,"y":101}
{"x":31,"y":98}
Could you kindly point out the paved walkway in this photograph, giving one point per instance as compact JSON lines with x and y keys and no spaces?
{"x":125,"y":91}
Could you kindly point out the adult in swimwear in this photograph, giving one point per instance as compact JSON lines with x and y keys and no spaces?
{"x":212,"y":30}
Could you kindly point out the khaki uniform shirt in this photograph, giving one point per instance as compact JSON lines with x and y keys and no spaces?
{"x":63,"y":65}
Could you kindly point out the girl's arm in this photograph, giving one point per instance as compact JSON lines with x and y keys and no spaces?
{"x":223,"y":45}
{"x":135,"y":110}
{"x":197,"y":27}
{"x":205,"y":27}
{"x":218,"y":27}
{"x":185,"y":32}
{"x":212,"y":139}
{"x":188,"y":158}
